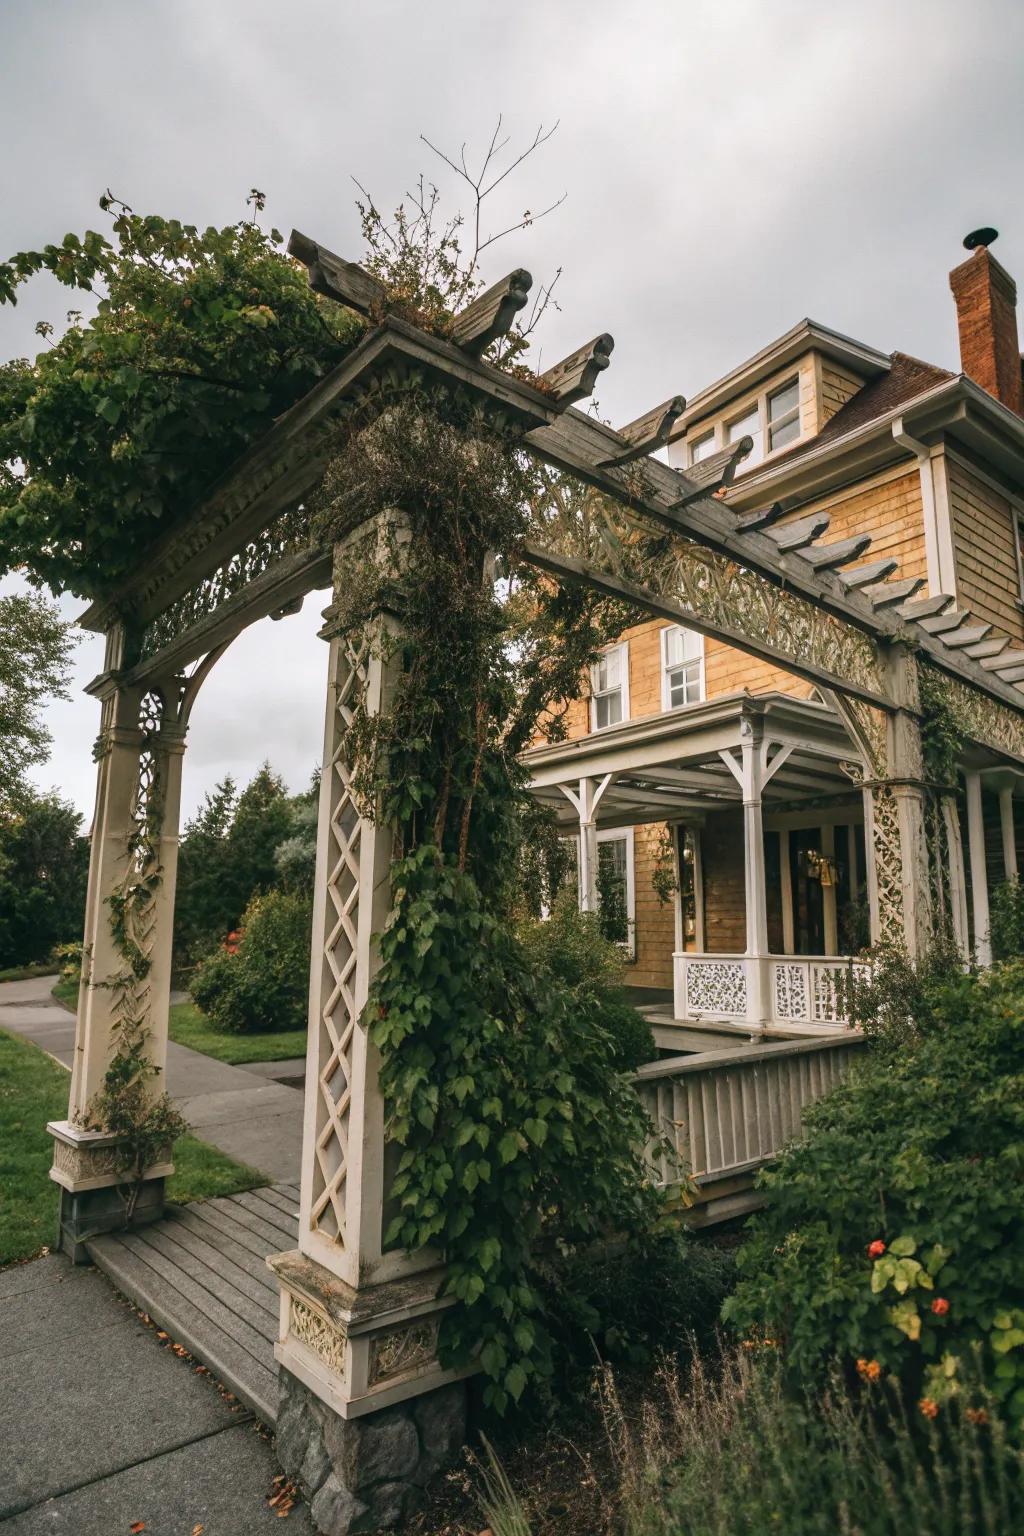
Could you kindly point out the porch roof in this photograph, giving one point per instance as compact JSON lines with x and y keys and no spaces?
{"x":669,"y":765}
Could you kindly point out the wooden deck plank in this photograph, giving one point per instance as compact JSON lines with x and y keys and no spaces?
{"x":255,"y":1341}
{"x":238,"y":1225}
{"x":261,"y":1219}
{"x":223,"y":1271}
{"x":254,"y":1264}
{"x":253,"y":1382}
{"x":285,"y":1205}
{"x":256,"y":1316}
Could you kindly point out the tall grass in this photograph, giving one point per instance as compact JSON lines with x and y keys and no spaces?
{"x":733,"y":1453}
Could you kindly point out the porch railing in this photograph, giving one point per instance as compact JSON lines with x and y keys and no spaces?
{"x":725,"y":1113}
{"x":797,"y":989}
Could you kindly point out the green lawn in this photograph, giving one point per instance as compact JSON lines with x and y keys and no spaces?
{"x":33,"y":1090}
{"x":190,"y":1027}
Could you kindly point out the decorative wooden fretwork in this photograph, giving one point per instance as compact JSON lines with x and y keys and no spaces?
{"x":339,"y":1006}
{"x":401,"y":1350}
{"x":290,"y":531}
{"x":717,"y":987}
{"x":319,"y":1335}
{"x":983,"y":718}
{"x":888,"y":857}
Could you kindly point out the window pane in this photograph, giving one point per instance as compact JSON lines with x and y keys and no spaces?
{"x":788,"y":432}
{"x":684,"y":684}
{"x":608,"y":709}
{"x":702,"y":448}
{"x":612,"y":890}
{"x":681,"y":645}
{"x":783,"y":400}
{"x":746,"y":426}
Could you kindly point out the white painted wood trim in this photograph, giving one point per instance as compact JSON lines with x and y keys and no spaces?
{"x":979,"y":869}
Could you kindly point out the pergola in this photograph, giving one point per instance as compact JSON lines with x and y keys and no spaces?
{"x":358,"y":1320}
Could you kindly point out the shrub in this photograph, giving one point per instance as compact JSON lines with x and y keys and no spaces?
{"x":1007,"y":920}
{"x":656,"y":1294}
{"x":897,"y":1001}
{"x":894,"y":1233}
{"x":262,"y":983}
{"x":571,"y":945}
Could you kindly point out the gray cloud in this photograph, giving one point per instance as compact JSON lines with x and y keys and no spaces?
{"x":731,"y":166}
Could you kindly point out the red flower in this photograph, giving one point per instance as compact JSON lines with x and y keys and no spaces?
{"x":869,"y":1370}
{"x":940,"y":1306}
{"x":929,"y":1407}
{"x":876,"y":1249}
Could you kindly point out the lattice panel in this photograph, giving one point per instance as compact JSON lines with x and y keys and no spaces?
{"x":888,"y":861}
{"x":790,"y":988}
{"x":338,"y":1002}
{"x":717,"y":987}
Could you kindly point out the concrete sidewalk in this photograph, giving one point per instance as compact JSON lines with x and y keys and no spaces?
{"x":104,"y":1427}
{"x":241,"y":1110}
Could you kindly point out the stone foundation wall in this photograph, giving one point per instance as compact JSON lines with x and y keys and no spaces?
{"x":367,"y":1474}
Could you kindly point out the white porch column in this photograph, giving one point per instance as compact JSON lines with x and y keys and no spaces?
{"x":786,"y":892}
{"x":830,"y":915}
{"x":359,"y":1320}
{"x":1006,"y":825}
{"x":979,"y":867}
{"x":586,"y":799}
{"x":751,"y":774}
{"x":957,"y":880}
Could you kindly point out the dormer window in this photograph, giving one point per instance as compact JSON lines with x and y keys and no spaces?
{"x":784,"y":415}
{"x":682,"y":671}
{"x":702,"y":447}
{"x":609,"y":687}
{"x":747,"y":425}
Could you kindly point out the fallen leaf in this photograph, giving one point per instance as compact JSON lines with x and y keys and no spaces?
{"x":140,"y":1525}
{"x":197,"y":1530}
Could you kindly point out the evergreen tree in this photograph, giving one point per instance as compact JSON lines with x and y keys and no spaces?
{"x":44,"y":864}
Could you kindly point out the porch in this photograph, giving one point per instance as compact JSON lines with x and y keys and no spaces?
{"x":767,"y":899}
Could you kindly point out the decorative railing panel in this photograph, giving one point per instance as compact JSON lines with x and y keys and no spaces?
{"x":715,"y":985}
{"x":799,"y":989}
{"x":724,"y":1112}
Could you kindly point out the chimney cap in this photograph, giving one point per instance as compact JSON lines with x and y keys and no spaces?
{"x":983,"y":237}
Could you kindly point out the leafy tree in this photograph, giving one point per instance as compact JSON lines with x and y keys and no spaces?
{"x":44,"y":862}
{"x":35,"y":654}
{"x":200,"y":339}
{"x":262,"y":821}
{"x":201,"y":911}
{"x":263,"y":983}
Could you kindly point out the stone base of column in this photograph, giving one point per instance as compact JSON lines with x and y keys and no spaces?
{"x":366,"y":1474}
{"x":94,"y":1196}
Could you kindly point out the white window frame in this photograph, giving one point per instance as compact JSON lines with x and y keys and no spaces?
{"x":666,"y":694}
{"x":793,"y":414}
{"x":623,"y":649}
{"x":698,"y":442}
{"x":626,"y":834}
{"x":756,"y":408}
{"x":1018,"y":538}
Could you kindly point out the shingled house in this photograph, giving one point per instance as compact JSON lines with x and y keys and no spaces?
{"x":649,"y":784}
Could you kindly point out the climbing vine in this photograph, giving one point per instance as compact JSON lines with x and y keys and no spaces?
{"x":942,"y":738}
{"x":503,"y":1093}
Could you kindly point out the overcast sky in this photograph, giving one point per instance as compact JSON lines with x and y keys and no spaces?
{"x":731,"y":166}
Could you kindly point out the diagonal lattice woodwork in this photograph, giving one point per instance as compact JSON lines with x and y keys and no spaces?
{"x":340,"y":948}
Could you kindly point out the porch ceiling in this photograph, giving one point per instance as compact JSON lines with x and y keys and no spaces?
{"x":669,"y":765}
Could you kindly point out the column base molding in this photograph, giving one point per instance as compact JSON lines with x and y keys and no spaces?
{"x":85,"y":1160}
{"x":360,"y":1350}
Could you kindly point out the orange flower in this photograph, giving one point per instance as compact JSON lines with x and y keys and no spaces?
{"x":976,"y":1415}
{"x":940,"y":1306}
{"x":876,"y":1249}
{"x":929,"y":1407}
{"x":869,"y":1370}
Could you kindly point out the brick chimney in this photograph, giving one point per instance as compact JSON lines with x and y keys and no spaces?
{"x":986,"y":313}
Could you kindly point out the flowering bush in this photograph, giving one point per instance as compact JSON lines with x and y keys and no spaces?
{"x":894,"y":1234}
{"x":258,"y":978}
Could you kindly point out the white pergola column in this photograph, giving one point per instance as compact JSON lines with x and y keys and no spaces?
{"x":1007,"y":829}
{"x":359,"y":1319}
{"x":134,"y":836}
{"x":979,"y":867}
